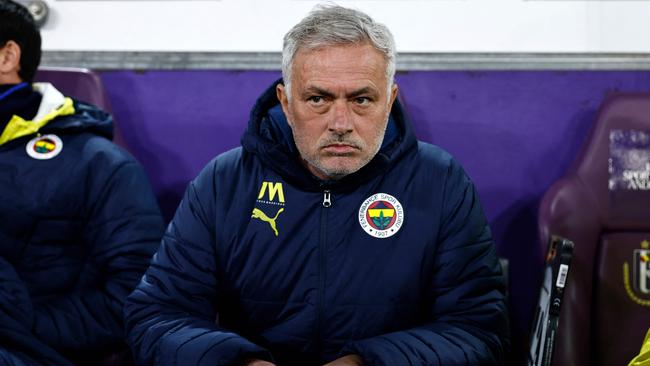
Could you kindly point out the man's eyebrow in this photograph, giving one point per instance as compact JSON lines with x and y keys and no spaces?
{"x":325,"y":93}
{"x":320,"y":91}
{"x":361,"y":91}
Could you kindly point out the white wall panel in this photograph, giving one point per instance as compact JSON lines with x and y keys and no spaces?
{"x":509,"y":26}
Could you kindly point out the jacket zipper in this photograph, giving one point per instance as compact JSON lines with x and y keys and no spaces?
{"x":322,"y":247}
{"x":327,"y":198}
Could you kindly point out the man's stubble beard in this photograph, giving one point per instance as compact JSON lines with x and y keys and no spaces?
{"x":337,"y":172}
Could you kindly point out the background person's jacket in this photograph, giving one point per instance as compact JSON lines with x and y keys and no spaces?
{"x":300,"y":283}
{"x":643,"y":358}
{"x":78,"y":228}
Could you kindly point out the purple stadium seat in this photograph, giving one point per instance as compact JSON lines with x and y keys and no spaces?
{"x":81,"y":84}
{"x":602,"y":204}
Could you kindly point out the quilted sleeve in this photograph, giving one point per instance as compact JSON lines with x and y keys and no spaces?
{"x":170,"y":317}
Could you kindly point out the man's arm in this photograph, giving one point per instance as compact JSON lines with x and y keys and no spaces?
{"x":467,"y":322}
{"x":122,"y":230}
{"x":170,"y":317}
{"x":18,"y":346}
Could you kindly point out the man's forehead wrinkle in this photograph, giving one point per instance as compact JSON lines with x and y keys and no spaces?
{"x":340,"y":71}
{"x":327,"y":59}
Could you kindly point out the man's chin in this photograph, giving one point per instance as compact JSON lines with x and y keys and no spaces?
{"x":338,"y":171}
{"x":352,"y":155}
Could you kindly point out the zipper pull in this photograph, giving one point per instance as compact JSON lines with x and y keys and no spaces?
{"x":327,"y":200}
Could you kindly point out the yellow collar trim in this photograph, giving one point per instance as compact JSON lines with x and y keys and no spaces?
{"x":18,"y":127}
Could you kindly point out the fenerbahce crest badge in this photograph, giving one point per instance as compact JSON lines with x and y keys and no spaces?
{"x":381,"y":215}
{"x":44,"y":147}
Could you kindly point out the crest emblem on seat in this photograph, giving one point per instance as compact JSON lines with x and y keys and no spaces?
{"x":637,"y":285}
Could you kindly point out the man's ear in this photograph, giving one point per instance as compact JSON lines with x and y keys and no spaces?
{"x":10,"y":63}
{"x":283,"y":97}
{"x":393,"y":94}
{"x":10,"y":57}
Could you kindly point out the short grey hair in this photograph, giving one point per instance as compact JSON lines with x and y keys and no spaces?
{"x":333,"y":25}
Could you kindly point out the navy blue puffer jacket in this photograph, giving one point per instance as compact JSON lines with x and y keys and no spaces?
{"x":394,"y":263}
{"x":78,"y":226}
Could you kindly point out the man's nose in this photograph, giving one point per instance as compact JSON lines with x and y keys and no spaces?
{"x":341,"y":121}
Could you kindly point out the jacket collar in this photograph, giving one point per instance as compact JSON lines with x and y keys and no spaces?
{"x":58,"y":114}
{"x":53,"y":104}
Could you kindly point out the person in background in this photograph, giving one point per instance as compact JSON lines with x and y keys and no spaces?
{"x":332,"y":236}
{"x":643,"y":358}
{"x":78,"y":220}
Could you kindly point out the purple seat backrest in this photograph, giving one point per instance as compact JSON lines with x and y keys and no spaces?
{"x":81,"y":84}
{"x":602,"y":204}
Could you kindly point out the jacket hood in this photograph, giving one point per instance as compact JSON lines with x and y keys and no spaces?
{"x":57,"y":113}
{"x":269,"y":137}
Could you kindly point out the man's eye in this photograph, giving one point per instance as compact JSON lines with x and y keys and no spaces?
{"x":316,"y":99}
{"x":362,"y":100}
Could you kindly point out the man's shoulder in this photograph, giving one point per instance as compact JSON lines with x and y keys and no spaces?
{"x":434,"y":156}
{"x":224,"y":176}
{"x":226,"y":161}
{"x":225,"y":166}
{"x":97,"y":150}
{"x":231,"y":158}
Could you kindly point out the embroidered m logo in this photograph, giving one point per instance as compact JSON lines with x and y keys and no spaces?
{"x":273,"y":189}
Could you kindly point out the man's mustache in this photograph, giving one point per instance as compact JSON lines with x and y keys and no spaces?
{"x":341,"y":140}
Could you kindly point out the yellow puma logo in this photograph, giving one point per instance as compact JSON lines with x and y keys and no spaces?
{"x":258,"y":214}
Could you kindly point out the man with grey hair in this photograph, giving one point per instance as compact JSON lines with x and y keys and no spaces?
{"x":332,"y":236}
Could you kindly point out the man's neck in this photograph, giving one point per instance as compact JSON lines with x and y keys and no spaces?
{"x":10,"y":78}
